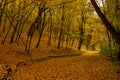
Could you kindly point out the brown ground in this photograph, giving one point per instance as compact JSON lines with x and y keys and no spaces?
{"x":87,"y":66}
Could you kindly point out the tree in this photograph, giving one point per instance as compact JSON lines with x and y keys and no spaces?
{"x":62,"y":24}
{"x":115,"y":34}
{"x":81,"y":30}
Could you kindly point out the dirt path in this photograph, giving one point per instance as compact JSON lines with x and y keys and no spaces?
{"x":88,"y":66}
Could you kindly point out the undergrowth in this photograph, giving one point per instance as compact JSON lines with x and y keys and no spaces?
{"x":108,"y":51}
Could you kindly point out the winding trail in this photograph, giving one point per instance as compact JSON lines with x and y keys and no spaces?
{"x":88,"y":66}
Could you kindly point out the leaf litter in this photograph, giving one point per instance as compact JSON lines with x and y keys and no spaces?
{"x":87,"y":66}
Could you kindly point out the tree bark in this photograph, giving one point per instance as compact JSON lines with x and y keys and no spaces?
{"x":81,"y":31}
{"x":61,"y":29}
{"x":111,"y":29}
{"x":50,"y":29}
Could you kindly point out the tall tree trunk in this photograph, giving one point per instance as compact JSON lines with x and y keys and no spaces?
{"x":81,"y":31}
{"x":61,"y":30}
{"x":109,"y":44}
{"x":40,"y":36}
{"x":67,"y":40}
{"x":2,"y":10}
{"x":73,"y":40}
{"x":80,"y":36}
{"x":80,"y":44}
{"x":42,"y":25}
{"x":14,"y":32}
{"x":111,"y":29}
{"x":50,"y":29}
{"x":88,"y":41}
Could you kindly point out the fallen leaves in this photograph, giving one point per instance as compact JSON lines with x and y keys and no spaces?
{"x":87,"y":66}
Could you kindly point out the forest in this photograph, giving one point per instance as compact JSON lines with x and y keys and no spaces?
{"x":59,"y":39}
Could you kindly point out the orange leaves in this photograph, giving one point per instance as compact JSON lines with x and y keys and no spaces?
{"x":88,"y":66}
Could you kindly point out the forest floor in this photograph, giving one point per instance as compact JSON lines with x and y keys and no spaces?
{"x":53,"y":64}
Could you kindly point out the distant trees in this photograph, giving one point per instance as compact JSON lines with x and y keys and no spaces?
{"x":58,"y":17}
{"x":60,"y":23}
